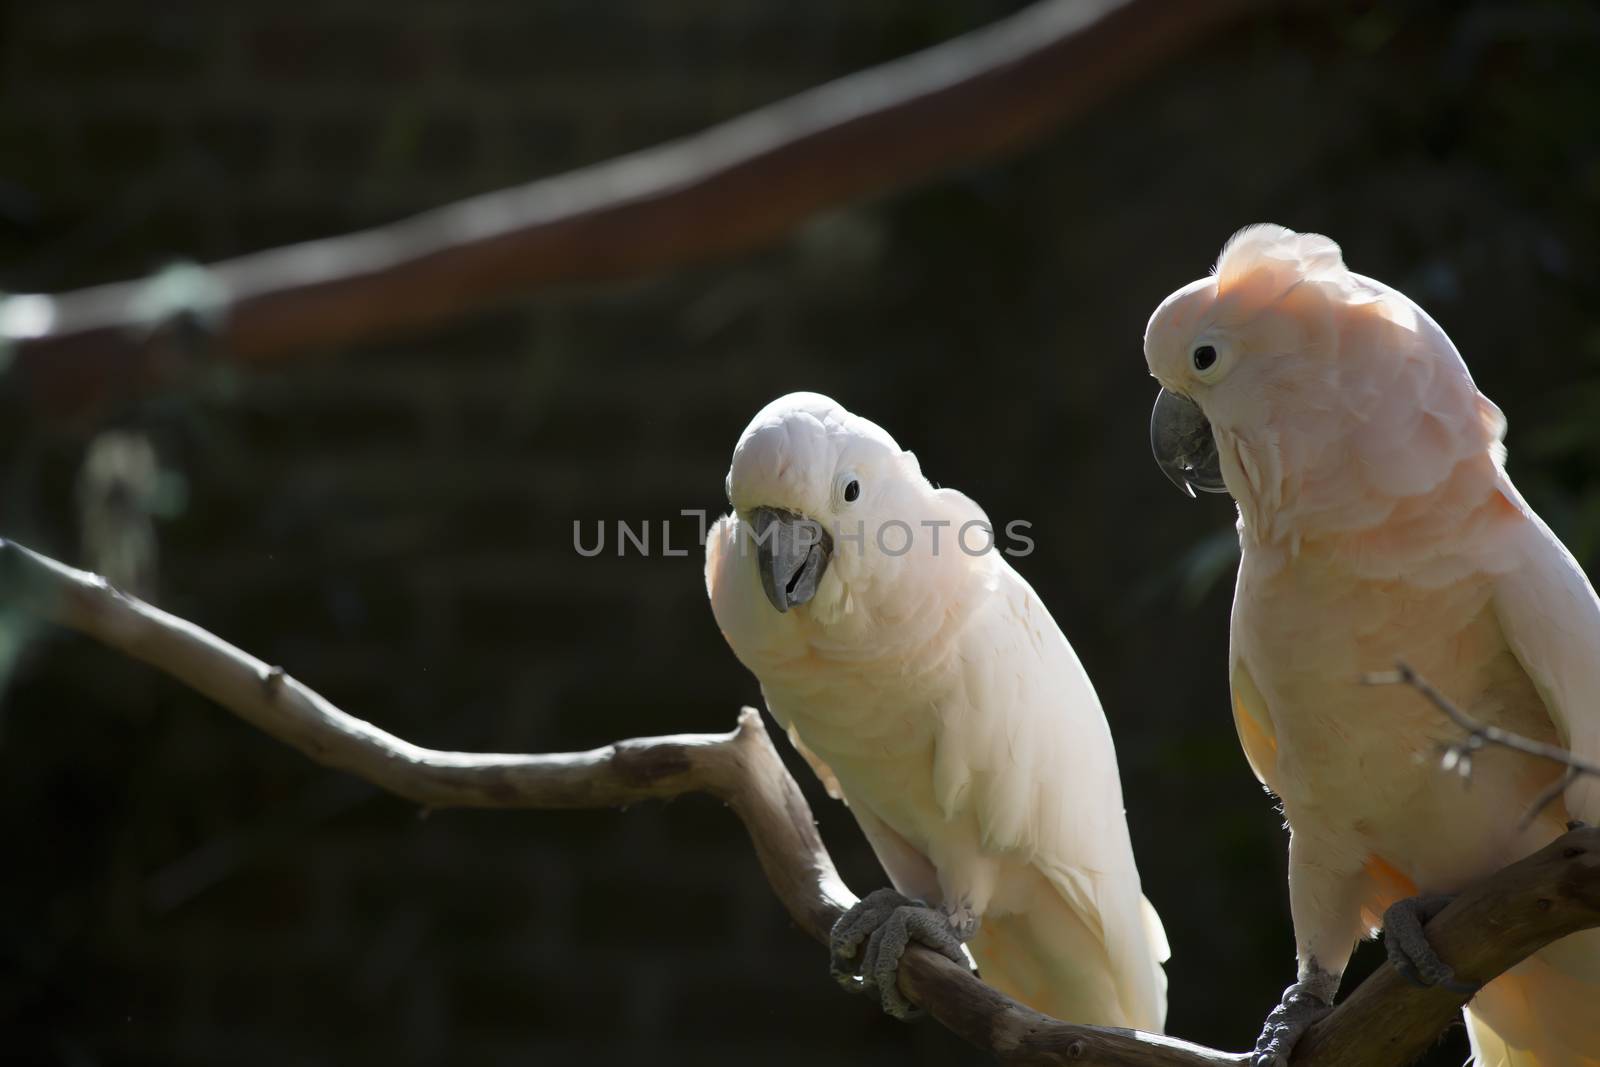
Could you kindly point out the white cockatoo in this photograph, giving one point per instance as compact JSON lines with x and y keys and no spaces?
{"x":1377,"y":525}
{"x":929,"y":688}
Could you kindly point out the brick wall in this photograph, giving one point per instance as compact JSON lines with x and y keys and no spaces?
{"x":393,"y":524}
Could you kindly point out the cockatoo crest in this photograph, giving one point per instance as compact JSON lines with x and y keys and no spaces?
{"x":1264,"y":265}
{"x":1265,"y":246}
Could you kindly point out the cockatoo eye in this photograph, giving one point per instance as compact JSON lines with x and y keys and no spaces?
{"x":1204,"y":358}
{"x":847,"y":487}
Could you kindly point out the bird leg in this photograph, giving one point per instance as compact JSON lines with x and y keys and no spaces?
{"x":887,"y":922}
{"x":1408,"y":947}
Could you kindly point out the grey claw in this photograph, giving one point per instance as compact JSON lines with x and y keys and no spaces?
{"x":1408,"y":947}
{"x":1287,"y":1023}
{"x":881,"y":963}
{"x":855,"y":926}
{"x":888,"y":922}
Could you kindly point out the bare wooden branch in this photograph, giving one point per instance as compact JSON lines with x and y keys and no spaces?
{"x":1385,"y":1023}
{"x":727,"y":189}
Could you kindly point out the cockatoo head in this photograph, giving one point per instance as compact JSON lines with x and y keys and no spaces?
{"x":1319,"y":398}
{"x":1248,"y":347}
{"x":814,"y":485}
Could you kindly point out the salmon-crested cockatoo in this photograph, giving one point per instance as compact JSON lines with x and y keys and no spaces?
{"x":927,"y":685}
{"x":1377,"y":524}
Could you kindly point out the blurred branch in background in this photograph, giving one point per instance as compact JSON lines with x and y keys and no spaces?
{"x":1386,"y":1021}
{"x":724,"y":190}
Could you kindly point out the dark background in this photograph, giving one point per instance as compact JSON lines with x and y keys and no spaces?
{"x":393,"y":523}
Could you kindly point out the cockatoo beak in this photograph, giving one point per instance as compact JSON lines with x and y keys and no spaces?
{"x":792,"y":553}
{"x":1185,"y":450}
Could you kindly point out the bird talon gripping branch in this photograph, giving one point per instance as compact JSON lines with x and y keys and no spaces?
{"x":1303,"y":1004}
{"x":1409,"y":950}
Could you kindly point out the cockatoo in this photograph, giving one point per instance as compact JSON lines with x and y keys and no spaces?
{"x":1377,"y":525}
{"x":928,"y":687}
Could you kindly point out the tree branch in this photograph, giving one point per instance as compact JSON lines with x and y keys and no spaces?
{"x":727,"y":189}
{"x":1385,"y":1023}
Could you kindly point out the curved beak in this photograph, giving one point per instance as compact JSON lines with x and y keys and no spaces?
{"x":792,"y":553}
{"x":1184,"y":447}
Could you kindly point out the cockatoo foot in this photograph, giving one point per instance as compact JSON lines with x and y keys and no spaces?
{"x":1303,"y":1003}
{"x":888,"y":922}
{"x":1408,"y":947}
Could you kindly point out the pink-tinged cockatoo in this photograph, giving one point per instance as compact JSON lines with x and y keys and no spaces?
{"x":1377,"y":525}
{"x":929,"y":688}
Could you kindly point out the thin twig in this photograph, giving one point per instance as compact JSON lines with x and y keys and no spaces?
{"x":1552,"y":792}
{"x":730,"y":188}
{"x":1386,"y":1022}
{"x":1458,"y":755}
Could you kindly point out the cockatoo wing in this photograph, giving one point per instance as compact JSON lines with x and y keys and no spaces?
{"x":1025,"y":747}
{"x":1551,"y":619}
{"x":1539,"y":1013}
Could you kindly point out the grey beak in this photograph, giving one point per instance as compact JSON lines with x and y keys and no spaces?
{"x":792,"y":553}
{"x":1183,"y":445}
